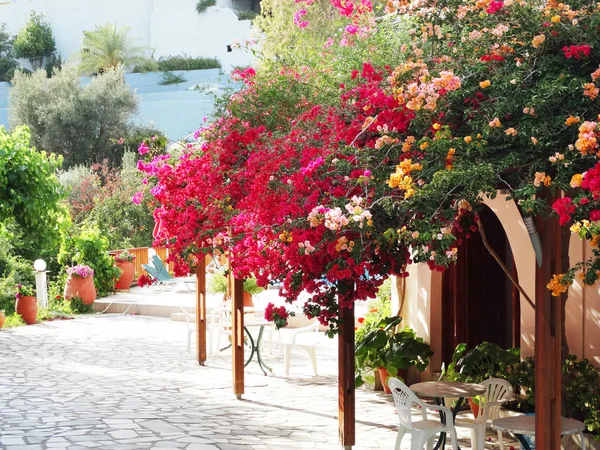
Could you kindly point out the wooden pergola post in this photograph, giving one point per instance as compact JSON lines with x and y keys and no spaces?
{"x":201,"y":309}
{"x":346,"y":389}
{"x":548,"y":332}
{"x":237,"y":335}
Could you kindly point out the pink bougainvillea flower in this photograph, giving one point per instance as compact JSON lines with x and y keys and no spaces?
{"x":143,"y":148}
{"x":298,"y":18}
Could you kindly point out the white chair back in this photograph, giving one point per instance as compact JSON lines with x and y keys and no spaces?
{"x":497,"y":391}
{"x":404,"y":398}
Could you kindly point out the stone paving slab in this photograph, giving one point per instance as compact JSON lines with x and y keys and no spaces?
{"x":125,"y":382}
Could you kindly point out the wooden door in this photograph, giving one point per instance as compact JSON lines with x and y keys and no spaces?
{"x":479,"y":303}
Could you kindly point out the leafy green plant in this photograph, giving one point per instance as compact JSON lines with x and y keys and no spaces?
{"x":30,"y":194}
{"x":218,"y":284}
{"x":34,"y":41}
{"x":171,"y":78}
{"x":384,"y":347}
{"x":246,"y":15}
{"x":77,"y":307}
{"x":185,"y":62}
{"x":7,"y":63}
{"x":13,"y":320}
{"x":203,"y":5}
{"x":90,"y":247}
{"x":487,"y":360}
{"x":109,"y":47}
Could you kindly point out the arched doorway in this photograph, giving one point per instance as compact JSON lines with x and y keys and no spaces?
{"x":479,"y":302}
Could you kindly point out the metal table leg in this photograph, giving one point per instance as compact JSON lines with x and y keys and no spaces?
{"x":523,"y":442}
{"x":440,"y":401}
{"x":261,"y":363}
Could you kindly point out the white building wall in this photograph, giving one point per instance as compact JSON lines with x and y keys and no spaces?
{"x":168,"y":27}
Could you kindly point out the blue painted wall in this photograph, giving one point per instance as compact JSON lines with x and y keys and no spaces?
{"x":177,"y":110}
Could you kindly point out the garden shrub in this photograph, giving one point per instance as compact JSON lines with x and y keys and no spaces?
{"x":30,"y":193}
{"x":125,"y":223}
{"x":81,"y":123}
{"x":171,"y":78}
{"x":185,"y":62}
{"x":90,"y":247}
{"x":34,"y":41}
{"x":246,"y":15}
{"x":203,"y":5}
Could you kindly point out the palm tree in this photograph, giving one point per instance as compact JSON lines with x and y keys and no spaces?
{"x":108,"y":47}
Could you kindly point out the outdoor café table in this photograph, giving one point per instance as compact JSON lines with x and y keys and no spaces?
{"x":439,"y":390}
{"x":255,"y":347}
{"x":522,"y":426}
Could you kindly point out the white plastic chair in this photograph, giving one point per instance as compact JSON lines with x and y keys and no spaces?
{"x":190,"y":319}
{"x":305,"y":338}
{"x":497,"y":391}
{"x":421,"y":431}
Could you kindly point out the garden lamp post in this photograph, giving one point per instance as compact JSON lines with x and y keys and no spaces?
{"x":40,"y":282}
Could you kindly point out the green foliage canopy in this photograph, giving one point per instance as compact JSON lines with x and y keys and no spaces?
{"x":30,"y":193}
{"x":35,"y":41}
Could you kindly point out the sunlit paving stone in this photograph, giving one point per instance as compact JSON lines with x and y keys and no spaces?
{"x":126,"y":382}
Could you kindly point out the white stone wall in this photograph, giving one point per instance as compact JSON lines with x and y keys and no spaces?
{"x":167,"y":27}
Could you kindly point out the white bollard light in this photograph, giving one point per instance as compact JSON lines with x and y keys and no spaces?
{"x":41,"y":286}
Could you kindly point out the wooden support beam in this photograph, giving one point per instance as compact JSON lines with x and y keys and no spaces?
{"x":346,"y":389}
{"x":548,"y":332}
{"x":237,"y":335}
{"x":201,"y":309}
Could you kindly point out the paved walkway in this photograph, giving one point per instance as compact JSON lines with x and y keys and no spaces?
{"x":126,"y":382}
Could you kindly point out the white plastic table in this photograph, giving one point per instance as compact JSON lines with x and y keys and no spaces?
{"x":439,"y":390}
{"x":525,"y":426}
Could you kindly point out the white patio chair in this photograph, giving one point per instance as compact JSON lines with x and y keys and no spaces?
{"x":497,"y":391}
{"x":305,"y":338}
{"x":421,"y":431}
{"x":190,"y":319}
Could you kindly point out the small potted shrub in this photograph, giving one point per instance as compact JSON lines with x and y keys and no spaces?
{"x":218,"y":285}
{"x":391,"y":352}
{"x":26,"y":305}
{"x":124,"y":262}
{"x":80,"y":283}
{"x":487,"y":360}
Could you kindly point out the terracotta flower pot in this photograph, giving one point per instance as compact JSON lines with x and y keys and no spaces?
{"x":127,"y":275}
{"x":80,"y":287}
{"x":2,"y":318}
{"x":383,"y":375}
{"x":248,"y":303}
{"x":474,"y":407}
{"x":27,"y":307}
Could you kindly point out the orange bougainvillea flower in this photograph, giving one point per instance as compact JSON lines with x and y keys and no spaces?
{"x":485,"y":84}
{"x":556,"y":286}
{"x":572,"y":120}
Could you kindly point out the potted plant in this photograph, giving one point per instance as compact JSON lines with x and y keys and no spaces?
{"x":391,"y":352}
{"x":486,"y":360}
{"x":124,"y":261}
{"x":80,"y":283}
{"x":218,"y":285}
{"x":2,"y":318}
{"x":26,"y":305}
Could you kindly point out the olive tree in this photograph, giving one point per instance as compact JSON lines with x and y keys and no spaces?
{"x":79,"y":122}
